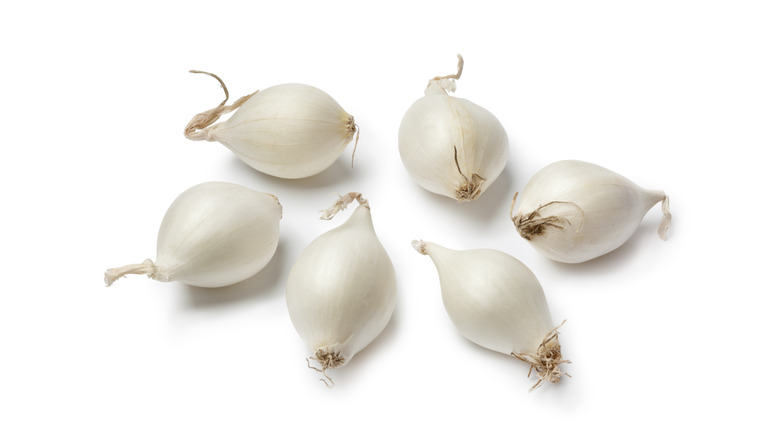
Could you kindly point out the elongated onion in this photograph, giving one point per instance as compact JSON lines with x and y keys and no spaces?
{"x":288,"y":131}
{"x":341,"y":291}
{"x":572,"y":211}
{"x":495,"y":301}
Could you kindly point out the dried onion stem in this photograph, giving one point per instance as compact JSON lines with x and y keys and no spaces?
{"x":195,"y":130}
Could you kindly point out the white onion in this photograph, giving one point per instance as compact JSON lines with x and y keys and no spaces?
{"x":214,"y":234}
{"x":341,"y":291}
{"x":495,"y":301}
{"x":288,"y":131}
{"x":572,"y":211}
{"x":451,"y":146}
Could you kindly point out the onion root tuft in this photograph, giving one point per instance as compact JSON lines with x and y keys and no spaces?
{"x":547,"y":359}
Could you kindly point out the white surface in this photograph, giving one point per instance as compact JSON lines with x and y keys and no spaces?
{"x":665,"y":337}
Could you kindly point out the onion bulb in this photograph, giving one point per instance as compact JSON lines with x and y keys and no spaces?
{"x":572,"y":211}
{"x":214,"y":234}
{"x":449,"y":145}
{"x":495,"y":301}
{"x":341,"y":291}
{"x":288,"y":131}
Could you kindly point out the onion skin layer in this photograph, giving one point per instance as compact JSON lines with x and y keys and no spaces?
{"x":572,"y":211}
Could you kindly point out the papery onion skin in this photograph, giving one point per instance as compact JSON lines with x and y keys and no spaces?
{"x":430,"y":129}
{"x":573,"y":211}
{"x":288,"y":131}
{"x":451,"y":146}
{"x":214,"y":234}
{"x":493,"y":299}
{"x":341,"y":291}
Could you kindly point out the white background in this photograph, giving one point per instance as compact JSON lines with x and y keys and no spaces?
{"x":675,"y":337}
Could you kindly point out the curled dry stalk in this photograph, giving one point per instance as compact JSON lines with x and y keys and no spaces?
{"x":342,"y":204}
{"x":448,"y":82}
{"x":196,"y":128}
{"x":456,"y":75}
{"x":534,"y":224}
{"x":547,"y":359}
{"x":472,"y":188}
{"x":328,"y":360}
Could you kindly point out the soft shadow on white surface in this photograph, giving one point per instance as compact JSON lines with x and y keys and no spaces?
{"x":616,"y":260}
{"x":261,"y":286}
{"x":356,"y":369}
{"x":690,"y":110}
{"x":493,"y":202}
{"x":564,"y":394}
{"x":339,"y":172}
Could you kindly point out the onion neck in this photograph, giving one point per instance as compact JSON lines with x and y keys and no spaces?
{"x":654,"y":197}
{"x":146,"y":267}
{"x":421,"y":246}
{"x":437,"y":253}
{"x":342,"y":203}
{"x":440,"y":87}
{"x":199,"y":128}
{"x":444,"y":84}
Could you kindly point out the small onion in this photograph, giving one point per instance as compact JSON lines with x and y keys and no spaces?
{"x":496,"y":302}
{"x":449,"y":145}
{"x":341,"y":291}
{"x":288,"y":131}
{"x":572,"y":211}
{"x":214,"y":234}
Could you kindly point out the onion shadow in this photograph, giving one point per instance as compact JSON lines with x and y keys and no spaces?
{"x":258,"y":287}
{"x":337,"y":173}
{"x":494,"y":202}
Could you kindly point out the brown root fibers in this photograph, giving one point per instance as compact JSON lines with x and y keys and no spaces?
{"x":328,"y":360}
{"x":472,"y":188}
{"x":546,"y":360}
{"x":534,"y":223}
